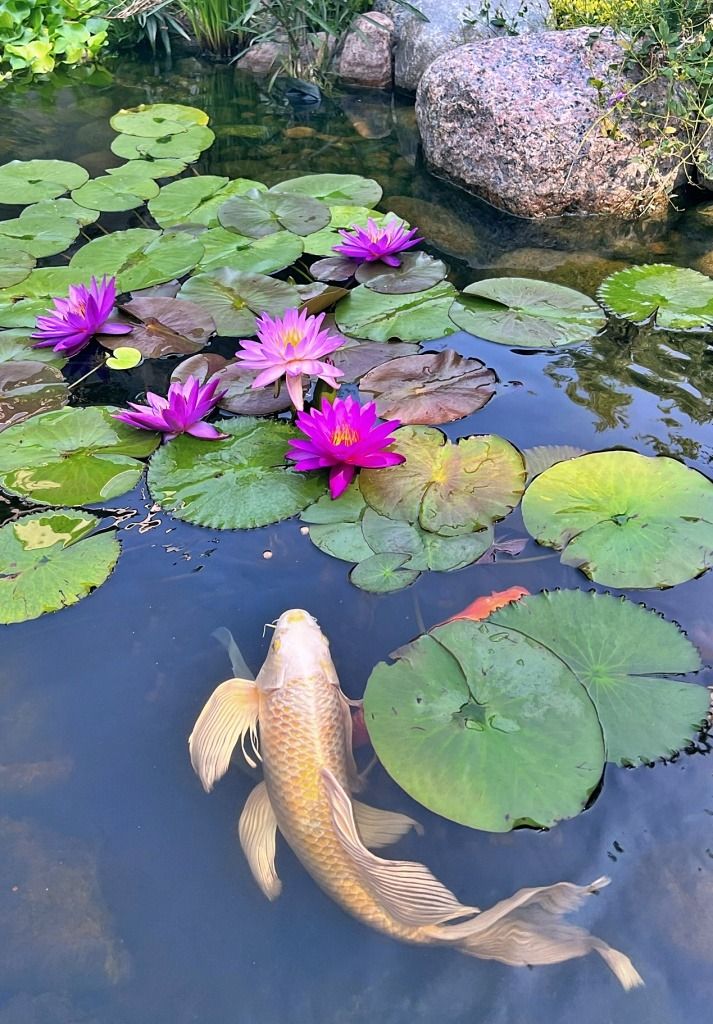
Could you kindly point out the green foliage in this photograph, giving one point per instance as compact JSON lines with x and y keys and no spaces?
{"x":617,"y":13}
{"x":38,"y":35}
{"x":219,"y":25}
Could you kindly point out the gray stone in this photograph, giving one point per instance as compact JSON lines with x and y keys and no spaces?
{"x":516,"y":122}
{"x":365,"y":58}
{"x":452,"y":23}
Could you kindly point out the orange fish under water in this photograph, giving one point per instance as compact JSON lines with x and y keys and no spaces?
{"x":310,"y":775}
{"x":482,"y":607}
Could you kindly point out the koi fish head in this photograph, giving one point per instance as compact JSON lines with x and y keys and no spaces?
{"x":298,"y":649}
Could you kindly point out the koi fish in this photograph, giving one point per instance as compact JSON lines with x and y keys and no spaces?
{"x":483,"y":606}
{"x":309,"y":778}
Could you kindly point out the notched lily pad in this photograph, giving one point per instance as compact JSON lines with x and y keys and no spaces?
{"x":234,"y":298}
{"x":37,"y":233}
{"x":674,"y":298}
{"x":383,"y":574}
{"x":27,"y":181}
{"x":156,"y":120}
{"x":418,"y":317}
{"x":334,"y":189}
{"x":115,"y":192}
{"x":334,"y":268}
{"x":15,"y":264}
{"x":354,"y":360}
{"x":417,"y":272}
{"x":140,"y":257}
{"x":236,"y":382}
{"x":28,"y":388}
{"x":186,"y":146}
{"x":166,"y":327}
{"x":262,"y":213}
{"x":196,"y":200}
{"x":542,"y":456}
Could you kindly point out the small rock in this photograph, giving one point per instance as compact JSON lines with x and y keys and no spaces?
{"x":436,"y":223}
{"x":583,"y":271}
{"x":365,"y":59}
{"x":262,"y":58}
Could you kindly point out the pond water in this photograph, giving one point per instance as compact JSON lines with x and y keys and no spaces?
{"x":125,"y":896}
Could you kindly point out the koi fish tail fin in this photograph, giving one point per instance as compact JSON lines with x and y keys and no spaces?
{"x":527,"y":929}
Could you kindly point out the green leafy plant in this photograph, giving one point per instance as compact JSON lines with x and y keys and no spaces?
{"x":137,"y":23}
{"x":38,"y":35}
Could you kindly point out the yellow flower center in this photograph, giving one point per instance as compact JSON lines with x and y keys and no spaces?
{"x":290,"y":336}
{"x":345,"y":434}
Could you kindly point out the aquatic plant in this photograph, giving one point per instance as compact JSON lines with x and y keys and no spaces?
{"x":79,"y":317}
{"x":292,"y":346}
{"x":183,"y":411}
{"x":38,"y":35}
{"x":343,"y":436}
{"x":372,"y":243}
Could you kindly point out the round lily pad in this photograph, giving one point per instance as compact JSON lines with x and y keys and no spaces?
{"x":419,"y":317}
{"x":234,"y":298}
{"x":258,"y":255}
{"x":334,"y":189}
{"x":447,"y":488}
{"x":235,"y":484}
{"x":156,"y":120}
{"x":383,"y":574}
{"x":196,"y":200}
{"x":65,"y":208}
{"x":37,"y":233}
{"x":262,"y":213}
{"x":621,"y":653}
{"x":321,"y":243}
{"x":235,"y":383}
{"x":334,"y":268}
{"x":21,"y":304}
{"x":486,"y":727}
{"x":675,"y":298}
{"x":425,"y":550}
{"x":28,"y":388}
{"x":149,"y":168}
{"x":542,"y":456}
{"x":139,"y":257}
{"x":523,"y":313}
{"x":416,"y":272}
{"x":115,"y":192}
{"x":625,"y":520}
{"x":186,"y":146}
{"x":433,"y":388}
{"x":49,"y":562}
{"x":27,"y":181}
{"x":15,"y":264}
{"x":166,"y":327}
{"x":73,"y":456}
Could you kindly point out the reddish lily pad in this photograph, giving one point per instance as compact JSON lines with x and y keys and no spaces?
{"x":167,"y":327}
{"x":416,"y":272}
{"x":357,"y":359}
{"x":317,"y":297}
{"x":237,"y":382}
{"x":28,"y":388}
{"x":334,"y":268}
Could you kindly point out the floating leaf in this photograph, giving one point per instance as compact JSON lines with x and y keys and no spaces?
{"x":156,"y":120}
{"x":675,"y":298}
{"x":347,"y":508}
{"x":15,"y":264}
{"x":417,"y":272}
{"x":18,"y":346}
{"x":383,"y":574}
{"x":37,"y":233}
{"x":620,"y":651}
{"x":256,"y":255}
{"x":334,"y":189}
{"x":65,"y":208}
{"x":125,"y":358}
{"x":322,"y":243}
{"x":334,"y":268}
{"x":418,"y":317}
{"x":625,"y":520}
{"x":149,"y":169}
{"x":115,"y":192}
{"x":166,"y":327}
{"x":196,"y":200}
{"x":527,"y":314}
{"x":262,"y":213}
{"x":27,"y":181}
{"x":139,"y":257}
{"x":344,"y":541}
{"x":236,"y":382}
{"x":433,"y":388}
{"x":316,"y":297}
{"x":540,"y":458}
{"x":356,"y":360}
{"x":447,"y":488}
{"x":234,"y":297}
{"x":73,"y":456}
{"x":21,"y":304}
{"x":186,"y":146}
{"x":485,"y":727}
{"x":49,"y":562}
{"x":235,"y":484}
{"x":426,"y":550}
{"x":28,"y":388}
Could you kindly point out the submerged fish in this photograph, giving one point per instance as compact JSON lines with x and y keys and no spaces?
{"x":483,"y":606}
{"x":310,"y":774}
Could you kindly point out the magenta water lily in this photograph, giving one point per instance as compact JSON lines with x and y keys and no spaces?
{"x":343,"y":436}
{"x":372,"y":243}
{"x":75,"y":320}
{"x":292,"y":346}
{"x":182,"y":412}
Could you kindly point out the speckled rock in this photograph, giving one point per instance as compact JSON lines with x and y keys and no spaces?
{"x":366,"y":56}
{"x":514,"y":121}
{"x":450,"y":23}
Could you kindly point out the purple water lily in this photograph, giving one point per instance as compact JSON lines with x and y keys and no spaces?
{"x":372,"y":243}
{"x":75,"y":320}
{"x":181,"y":412}
{"x":343,"y":436}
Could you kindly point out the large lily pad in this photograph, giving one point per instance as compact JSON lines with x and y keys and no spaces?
{"x":21,"y":304}
{"x":434,"y":388}
{"x":675,"y":298}
{"x":235,"y":484}
{"x":354,"y":360}
{"x":621,"y":653}
{"x":73,"y":456}
{"x":447,"y":488}
{"x":486,"y":727}
{"x":186,"y":146}
{"x":418,"y":317}
{"x":15,"y":263}
{"x":18,"y":346}
{"x":66,"y":208}
{"x":49,"y":562}
{"x":262,"y":213}
{"x":235,"y":384}
{"x":542,"y":456}
{"x":334,"y":189}
{"x":196,"y":200}
{"x":527,"y":314}
{"x":149,"y":168}
{"x":27,"y":181}
{"x":166,"y":327}
{"x":115,"y":192}
{"x":140,"y":257}
{"x":322,"y":242}
{"x":156,"y":120}
{"x":234,"y":298}
{"x":416,"y":272}
{"x":28,"y":388}
{"x":37,"y":233}
{"x":625,"y":520}
{"x":264,"y":255}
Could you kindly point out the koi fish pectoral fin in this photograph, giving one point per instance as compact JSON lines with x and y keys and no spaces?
{"x":406,"y":890}
{"x":379,"y":828}
{"x":356,"y":782}
{"x":229,"y":716}
{"x":257,"y":830}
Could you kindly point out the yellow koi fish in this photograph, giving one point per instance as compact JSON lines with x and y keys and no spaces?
{"x":305,"y":746}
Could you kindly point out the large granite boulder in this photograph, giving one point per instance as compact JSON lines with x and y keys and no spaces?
{"x":516,"y":121}
{"x":449,"y":23}
{"x":365,"y":59}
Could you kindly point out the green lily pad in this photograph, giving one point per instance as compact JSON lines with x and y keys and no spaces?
{"x":418,"y":317}
{"x":334,"y":189}
{"x":196,"y":200}
{"x":425,"y":550}
{"x":186,"y":146}
{"x":37,"y":233}
{"x":262,"y":213}
{"x":523,"y":313}
{"x":486,"y":727}
{"x":417,"y":272}
{"x":18,"y":346}
{"x":155,"y":169}
{"x":342,"y":540}
{"x":21,"y":304}
{"x":15,"y":264}
{"x":221,"y":247}
{"x":321,"y":243}
{"x":65,"y":208}
{"x":115,"y":192}
{"x":447,"y":488}
{"x":234,"y":298}
{"x":541,"y":457}
{"x":264,"y":255}
{"x":236,"y":484}
{"x":125,"y":358}
{"x":139,"y":257}
{"x":625,"y":520}
{"x":167,"y":327}
{"x":348,"y":508}
{"x":27,"y":181}
{"x":49,"y":562}
{"x":434,"y":388}
{"x":73,"y":456}
{"x":156,"y":120}
{"x":383,"y":574}
{"x":28,"y":388}
{"x":621,"y":653}
{"x":675,"y":298}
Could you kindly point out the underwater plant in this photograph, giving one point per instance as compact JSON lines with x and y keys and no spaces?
{"x":181,"y":412}
{"x":366,"y":245}
{"x":75,"y":320}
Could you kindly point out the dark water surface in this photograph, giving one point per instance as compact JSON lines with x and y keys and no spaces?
{"x":124,"y":896}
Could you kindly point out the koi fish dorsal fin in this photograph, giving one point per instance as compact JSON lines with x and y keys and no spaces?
{"x":257,"y":830}
{"x":406,"y":890}
{"x":229,"y":716}
{"x":379,"y":828}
